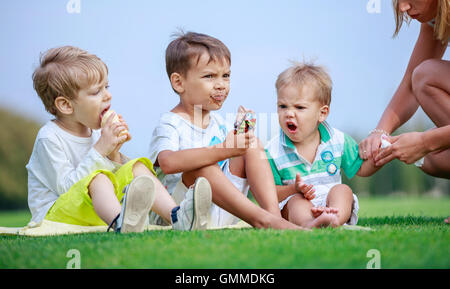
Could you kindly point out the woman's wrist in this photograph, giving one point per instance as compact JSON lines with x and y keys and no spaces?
{"x":379,"y":131}
{"x":436,"y":139}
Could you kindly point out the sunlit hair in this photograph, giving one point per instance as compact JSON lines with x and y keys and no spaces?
{"x":442,"y":19}
{"x":300,"y":74}
{"x":64,"y":71}
{"x":187,"y":48}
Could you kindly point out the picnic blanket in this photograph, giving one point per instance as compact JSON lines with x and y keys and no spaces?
{"x":49,"y":228}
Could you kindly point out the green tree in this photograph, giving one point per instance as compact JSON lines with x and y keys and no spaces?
{"x":17,"y":135}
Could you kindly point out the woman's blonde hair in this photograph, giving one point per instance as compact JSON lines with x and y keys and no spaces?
{"x":442,"y":19}
{"x":64,"y":71}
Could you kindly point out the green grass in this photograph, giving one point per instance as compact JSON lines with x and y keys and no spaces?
{"x":408,"y":233}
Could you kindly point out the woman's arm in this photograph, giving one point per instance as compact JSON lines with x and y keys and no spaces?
{"x":403,"y":104}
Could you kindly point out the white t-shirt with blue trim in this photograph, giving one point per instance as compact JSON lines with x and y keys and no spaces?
{"x":175,"y":133}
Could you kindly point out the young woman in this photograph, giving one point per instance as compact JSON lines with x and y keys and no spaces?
{"x":426,"y":83}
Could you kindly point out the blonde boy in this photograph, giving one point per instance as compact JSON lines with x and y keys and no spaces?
{"x":76,"y":174}
{"x":192,"y":140}
{"x":307,"y":156}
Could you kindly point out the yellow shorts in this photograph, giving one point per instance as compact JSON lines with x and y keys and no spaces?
{"x":75,"y":206}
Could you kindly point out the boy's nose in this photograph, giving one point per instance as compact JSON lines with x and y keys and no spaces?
{"x":220,"y":84}
{"x":290,"y":113}
{"x":107,"y":96}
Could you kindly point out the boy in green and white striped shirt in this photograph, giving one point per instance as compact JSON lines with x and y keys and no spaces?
{"x":307,"y":156}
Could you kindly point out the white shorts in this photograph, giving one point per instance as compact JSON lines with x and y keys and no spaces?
{"x":219,"y":217}
{"x":321,"y":201}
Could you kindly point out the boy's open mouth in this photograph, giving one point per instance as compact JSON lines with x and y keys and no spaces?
{"x":103,"y":112}
{"x":292,"y":128}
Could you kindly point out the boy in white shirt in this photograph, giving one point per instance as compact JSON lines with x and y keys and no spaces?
{"x":193,"y":141}
{"x":76,"y":174}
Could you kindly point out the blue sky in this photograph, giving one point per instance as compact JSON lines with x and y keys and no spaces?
{"x":365,"y":63}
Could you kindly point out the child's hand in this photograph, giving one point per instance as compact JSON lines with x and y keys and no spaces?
{"x":115,"y":155}
{"x":302,"y":188}
{"x":111,"y":141}
{"x":241,"y":142}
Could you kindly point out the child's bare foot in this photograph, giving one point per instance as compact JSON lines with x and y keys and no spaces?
{"x":317,"y":211}
{"x":275,"y":222}
{"x":324,"y":220}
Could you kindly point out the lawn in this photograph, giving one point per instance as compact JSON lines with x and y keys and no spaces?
{"x":407,"y":233}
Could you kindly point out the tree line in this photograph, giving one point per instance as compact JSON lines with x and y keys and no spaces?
{"x":17,"y":136}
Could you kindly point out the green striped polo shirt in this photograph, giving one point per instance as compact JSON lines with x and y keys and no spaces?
{"x":336,"y":151}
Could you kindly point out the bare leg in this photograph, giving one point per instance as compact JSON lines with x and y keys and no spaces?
{"x":164,"y":202}
{"x":341,"y":197}
{"x":229,"y":198}
{"x":437,"y":165}
{"x":256,"y":168}
{"x":432,"y":90}
{"x":298,"y":211}
{"x":104,"y":200}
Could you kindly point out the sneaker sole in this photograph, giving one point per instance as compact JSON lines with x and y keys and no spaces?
{"x":140,"y":197}
{"x":202,"y":204}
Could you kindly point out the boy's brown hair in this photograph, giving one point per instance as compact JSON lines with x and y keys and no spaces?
{"x":187,"y":49}
{"x":64,"y":71}
{"x":300,"y":74}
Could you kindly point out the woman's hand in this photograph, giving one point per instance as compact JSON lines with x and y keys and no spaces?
{"x":369,"y":147}
{"x":407,"y":147}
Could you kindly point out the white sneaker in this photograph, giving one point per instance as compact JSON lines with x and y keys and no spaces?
{"x":137,"y":202}
{"x":193,"y":212}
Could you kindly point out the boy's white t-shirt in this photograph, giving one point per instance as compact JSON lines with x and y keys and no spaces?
{"x":176,"y":133}
{"x":58,"y":161}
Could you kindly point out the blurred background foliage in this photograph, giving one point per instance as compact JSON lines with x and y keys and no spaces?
{"x":17,"y":135}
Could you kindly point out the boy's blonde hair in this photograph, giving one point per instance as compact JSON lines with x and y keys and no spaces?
{"x":300,"y":74}
{"x":64,"y":71}
{"x":442,"y":19}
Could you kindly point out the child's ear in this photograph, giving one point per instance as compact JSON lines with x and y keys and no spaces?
{"x":63,"y":105}
{"x":177,"y":82}
{"x":324,"y":110}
